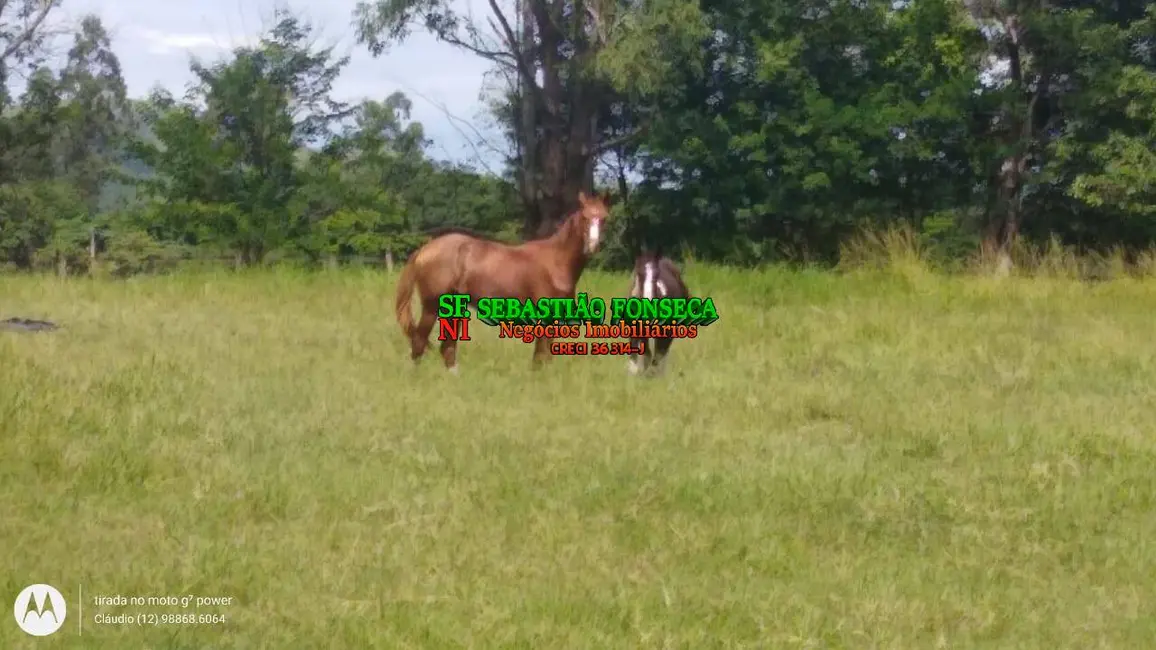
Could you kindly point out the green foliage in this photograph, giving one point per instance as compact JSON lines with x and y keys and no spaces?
{"x":858,"y":115}
{"x":744,"y":132}
{"x":1127,"y":178}
{"x":648,"y":42}
{"x":134,"y":252}
{"x":69,"y":244}
{"x":31,"y":214}
{"x":229,"y":154}
{"x":94,"y":113}
{"x":1123,"y":171}
{"x":30,"y":130}
{"x":260,"y":159}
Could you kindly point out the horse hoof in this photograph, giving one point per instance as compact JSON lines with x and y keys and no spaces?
{"x":453,"y":370}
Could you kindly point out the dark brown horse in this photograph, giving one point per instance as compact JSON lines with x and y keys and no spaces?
{"x":458,"y":262}
{"x":655,"y":276}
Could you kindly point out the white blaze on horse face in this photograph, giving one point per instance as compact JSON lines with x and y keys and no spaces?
{"x":648,"y":281}
{"x":592,"y":235}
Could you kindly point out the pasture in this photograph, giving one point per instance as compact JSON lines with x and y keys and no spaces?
{"x":872,"y":460}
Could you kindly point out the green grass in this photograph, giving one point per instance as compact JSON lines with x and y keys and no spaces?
{"x":855,"y":461}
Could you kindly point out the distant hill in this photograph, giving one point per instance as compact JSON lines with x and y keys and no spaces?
{"x":115,"y":194}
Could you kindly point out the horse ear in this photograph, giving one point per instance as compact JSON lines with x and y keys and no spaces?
{"x":607,"y":198}
{"x":582,"y":197}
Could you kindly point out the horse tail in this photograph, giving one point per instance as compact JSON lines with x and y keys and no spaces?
{"x":405,"y":284}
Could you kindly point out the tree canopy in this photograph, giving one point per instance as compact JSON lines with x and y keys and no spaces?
{"x":743,"y":132}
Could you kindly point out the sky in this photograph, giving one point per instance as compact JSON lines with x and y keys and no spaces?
{"x":154,"y":40}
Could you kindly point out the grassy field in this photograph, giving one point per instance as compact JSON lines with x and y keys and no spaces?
{"x":856,"y":461}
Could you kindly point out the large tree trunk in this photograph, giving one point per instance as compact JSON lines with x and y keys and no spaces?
{"x":623,"y":185}
{"x":92,"y":251}
{"x":1023,"y":136}
{"x":1004,"y":223}
{"x":559,"y":131}
{"x":251,"y":255}
{"x":527,"y":131}
{"x":564,"y":174}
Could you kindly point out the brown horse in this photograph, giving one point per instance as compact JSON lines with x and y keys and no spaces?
{"x":655,"y":276}
{"x":458,"y":262}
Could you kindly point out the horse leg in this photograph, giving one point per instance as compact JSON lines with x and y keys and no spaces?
{"x":541,"y":352}
{"x":419,"y":339}
{"x":449,"y":350}
{"x":638,"y":361}
{"x":661,"y":350}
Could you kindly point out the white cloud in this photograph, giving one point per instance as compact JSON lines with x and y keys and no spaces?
{"x":163,"y":43}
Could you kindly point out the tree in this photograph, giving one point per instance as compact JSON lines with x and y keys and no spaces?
{"x":357,"y":188}
{"x":32,"y":199}
{"x":29,"y":216}
{"x":22,"y":35}
{"x":95,"y":113}
{"x":1098,"y":168}
{"x":22,"y":30}
{"x":786,"y":134}
{"x":30,"y":131}
{"x":550,"y":50}
{"x":1068,"y":86}
{"x":1023,"y":94}
{"x":230,"y":156}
